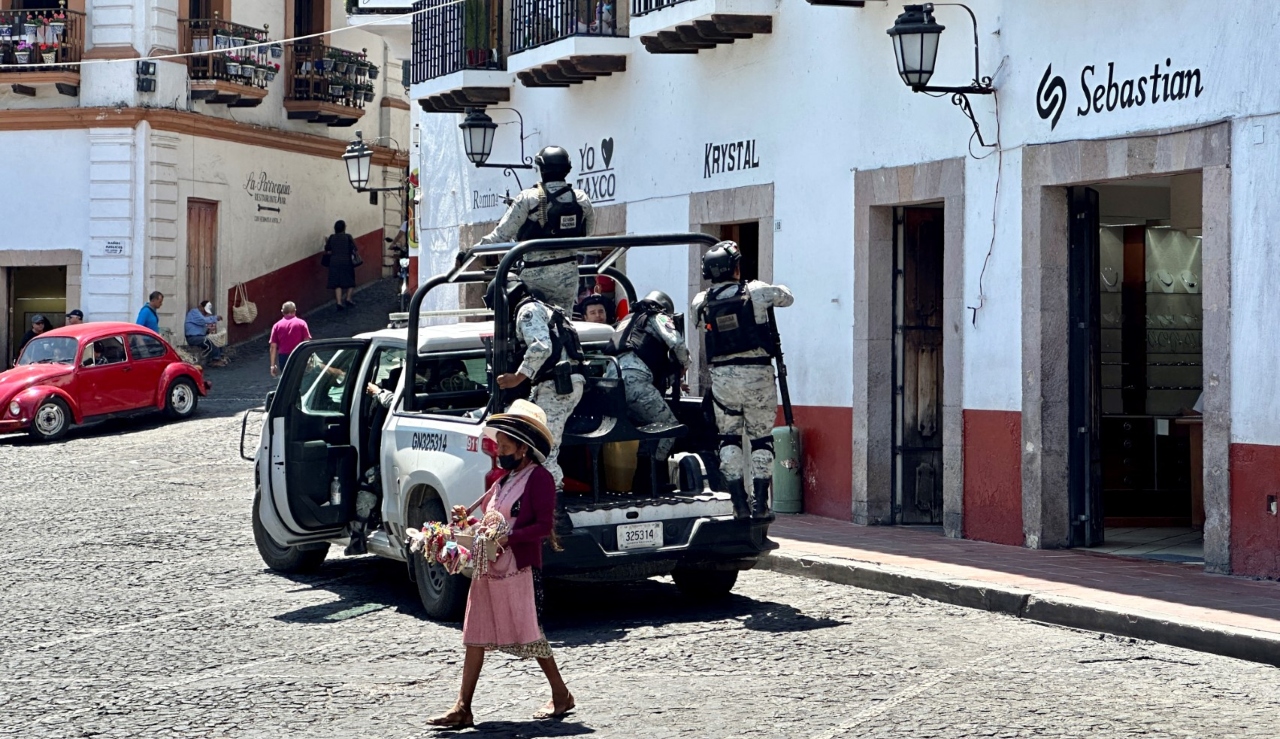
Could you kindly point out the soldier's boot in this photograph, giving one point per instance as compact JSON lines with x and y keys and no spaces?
{"x":738,"y":493}
{"x":358,"y":542}
{"x":760,"y":499}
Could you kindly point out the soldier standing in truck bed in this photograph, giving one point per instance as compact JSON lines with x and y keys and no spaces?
{"x":551,"y":209}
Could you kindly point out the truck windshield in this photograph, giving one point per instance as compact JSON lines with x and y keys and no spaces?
{"x":53,"y":350}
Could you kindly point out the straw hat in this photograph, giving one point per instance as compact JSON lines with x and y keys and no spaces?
{"x":526,"y":423}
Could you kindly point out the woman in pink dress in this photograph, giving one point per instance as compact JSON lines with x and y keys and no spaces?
{"x":504,"y":603}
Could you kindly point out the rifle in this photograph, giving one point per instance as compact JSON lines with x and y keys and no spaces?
{"x":782,"y":371}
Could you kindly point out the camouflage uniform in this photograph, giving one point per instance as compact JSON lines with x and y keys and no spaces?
{"x":644,"y":402}
{"x":556,"y":283}
{"x":745,"y":396}
{"x":533,"y":327}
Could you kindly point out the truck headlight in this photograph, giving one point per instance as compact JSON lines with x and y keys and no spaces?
{"x":15,"y":409}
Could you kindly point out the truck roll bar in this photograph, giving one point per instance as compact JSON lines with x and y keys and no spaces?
{"x":465,"y":271}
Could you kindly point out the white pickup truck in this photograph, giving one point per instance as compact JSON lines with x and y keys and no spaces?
{"x":323,"y":438}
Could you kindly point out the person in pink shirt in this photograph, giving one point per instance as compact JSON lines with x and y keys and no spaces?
{"x":286,"y":335}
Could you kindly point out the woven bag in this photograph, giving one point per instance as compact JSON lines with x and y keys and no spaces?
{"x":243,"y":311}
{"x":218,"y":339}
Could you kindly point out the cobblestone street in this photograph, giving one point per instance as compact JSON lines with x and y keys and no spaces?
{"x":137,"y":606}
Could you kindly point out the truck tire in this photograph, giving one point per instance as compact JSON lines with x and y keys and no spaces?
{"x":281,"y":558}
{"x":704,"y":585}
{"x":443,"y":596}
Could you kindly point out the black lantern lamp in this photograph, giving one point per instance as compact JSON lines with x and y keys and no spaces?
{"x":359,"y":160}
{"x":915,"y":37}
{"x":477,"y":138}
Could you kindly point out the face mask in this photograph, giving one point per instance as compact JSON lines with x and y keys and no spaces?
{"x":208,"y":308}
{"x":509,"y":461}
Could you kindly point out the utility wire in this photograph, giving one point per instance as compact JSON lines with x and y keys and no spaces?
{"x":183,"y":55}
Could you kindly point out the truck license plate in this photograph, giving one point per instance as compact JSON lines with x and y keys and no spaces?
{"x":640,"y":535}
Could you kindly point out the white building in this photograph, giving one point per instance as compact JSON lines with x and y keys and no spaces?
{"x":942,"y":348}
{"x":193,"y":177}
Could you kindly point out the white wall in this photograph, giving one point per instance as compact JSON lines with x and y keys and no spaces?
{"x":43,"y":195}
{"x":820,"y":96}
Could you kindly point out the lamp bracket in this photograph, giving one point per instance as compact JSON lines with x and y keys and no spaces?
{"x":979,"y":86}
{"x":526,"y":161}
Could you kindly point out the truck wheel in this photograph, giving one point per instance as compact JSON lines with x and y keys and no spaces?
{"x":51,"y":420}
{"x":290,"y":560}
{"x":443,"y":596}
{"x":704,"y":585}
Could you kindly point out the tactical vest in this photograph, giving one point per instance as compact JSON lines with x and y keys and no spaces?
{"x":635,"y":334}
{"x":731,"y":328}
{"x":564,"y":216}
{"x":564,"y":339}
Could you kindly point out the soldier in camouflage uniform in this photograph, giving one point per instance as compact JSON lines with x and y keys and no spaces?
{"x":652,"y":354}
{"x":740,"y":346}
{"x":550,"y":347}
{"x":551,"y":209}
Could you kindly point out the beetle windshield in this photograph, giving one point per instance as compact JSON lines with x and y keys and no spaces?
{"x":53,"y":350}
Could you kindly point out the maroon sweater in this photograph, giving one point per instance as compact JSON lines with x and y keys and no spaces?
{"x":534,"y":520}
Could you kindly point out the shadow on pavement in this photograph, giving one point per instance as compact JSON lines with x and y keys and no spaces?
{"x":363,"y":585}
{"x":522,"y":729}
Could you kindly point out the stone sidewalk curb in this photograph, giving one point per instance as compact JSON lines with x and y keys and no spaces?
{"x":1243,"y":644}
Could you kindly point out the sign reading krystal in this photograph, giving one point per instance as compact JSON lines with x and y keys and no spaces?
{"x":729,"y":157}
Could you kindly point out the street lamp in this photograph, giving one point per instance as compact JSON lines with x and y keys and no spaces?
{"x":477,"y":139}
{"x":359,"y":160}
{"x":915,"y":37}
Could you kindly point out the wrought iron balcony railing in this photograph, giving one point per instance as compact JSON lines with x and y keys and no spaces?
{"x":328,"y":74}
{"x":36,"y":39}
{"x":538,"y":22}
{"x":255,"y":67}
{"x":644,"y":7}
{"x":450,"y":37}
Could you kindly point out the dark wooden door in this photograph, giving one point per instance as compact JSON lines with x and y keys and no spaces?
{"x":1084,"y":367}
{"x":202,"y":251}
{"x":917,"y":339}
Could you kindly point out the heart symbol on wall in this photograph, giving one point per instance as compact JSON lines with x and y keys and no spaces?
{"x":606,"y":150}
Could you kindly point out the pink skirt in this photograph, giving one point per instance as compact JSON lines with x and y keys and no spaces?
{"x":501,"y":612}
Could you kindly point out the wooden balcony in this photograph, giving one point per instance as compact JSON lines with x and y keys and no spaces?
{"x":327,"y":85}
{"x":558,"y":43}
{"x":457,"y":56}
{"x":42,"y":46}
{"x":242,"y":66}
{"x":691,"y":26}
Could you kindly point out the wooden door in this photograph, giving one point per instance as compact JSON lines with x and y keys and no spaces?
{"x":202,"y":251}
{"x":917,"y":344}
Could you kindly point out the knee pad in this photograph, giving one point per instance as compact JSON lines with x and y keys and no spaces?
{"x":764,"y":443}
{"x":732,"y":440}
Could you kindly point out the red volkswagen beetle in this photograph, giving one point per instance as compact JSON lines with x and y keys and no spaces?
{"x":93,"y":371}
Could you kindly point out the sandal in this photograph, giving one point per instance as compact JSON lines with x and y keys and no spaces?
{"x":549,"y":711}
{"x":456,"y":718}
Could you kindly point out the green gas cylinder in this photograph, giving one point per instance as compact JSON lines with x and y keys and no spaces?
{"x":788,"y":488}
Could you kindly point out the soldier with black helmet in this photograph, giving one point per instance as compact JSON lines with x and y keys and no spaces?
{"x":551,"y":209}
{"x":652,"y":355}
{"x":741,"y":343}
{"x":550,"y":362}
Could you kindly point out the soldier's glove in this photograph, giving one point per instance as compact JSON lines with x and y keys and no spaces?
{"x":462,"y":257}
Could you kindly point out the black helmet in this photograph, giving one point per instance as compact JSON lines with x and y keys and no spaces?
{"x":516,"y":291}
{"x":553,"y":162}
{"x":660,"y":299}
{"x":719,"y":263}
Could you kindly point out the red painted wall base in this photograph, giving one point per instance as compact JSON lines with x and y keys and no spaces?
{"x":1255,"y":529}
{"x":993,"y":476}
{"x":826,"y":439}
{"x":303,"y":282}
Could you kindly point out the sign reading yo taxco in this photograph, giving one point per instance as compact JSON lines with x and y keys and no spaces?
{"x":269,"y":195}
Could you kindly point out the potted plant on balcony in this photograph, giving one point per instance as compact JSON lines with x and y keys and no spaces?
{"x":335,"y":88}
{"x":366,"y":92}
{"x":6,"y":29}
{"x":57,"y":22}
{"x":272,"y":70}
{"x":476,"y":32}
{"x":22,"y":52}
{"x":221,"y":39}
{"x":48,"y":53}
{"x":247,"y":68}
{"x":233,"y":65}
{"x":373,"y":71}
{"x":277,"y":50}
{"x":339,"y":62}
{"x":237,"y":41}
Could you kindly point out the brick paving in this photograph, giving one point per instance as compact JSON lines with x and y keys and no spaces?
{"x":1162,"y":589}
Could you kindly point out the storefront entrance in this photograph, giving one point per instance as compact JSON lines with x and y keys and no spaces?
{"x":34,"y":291}
{"x":1136,"y":367}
